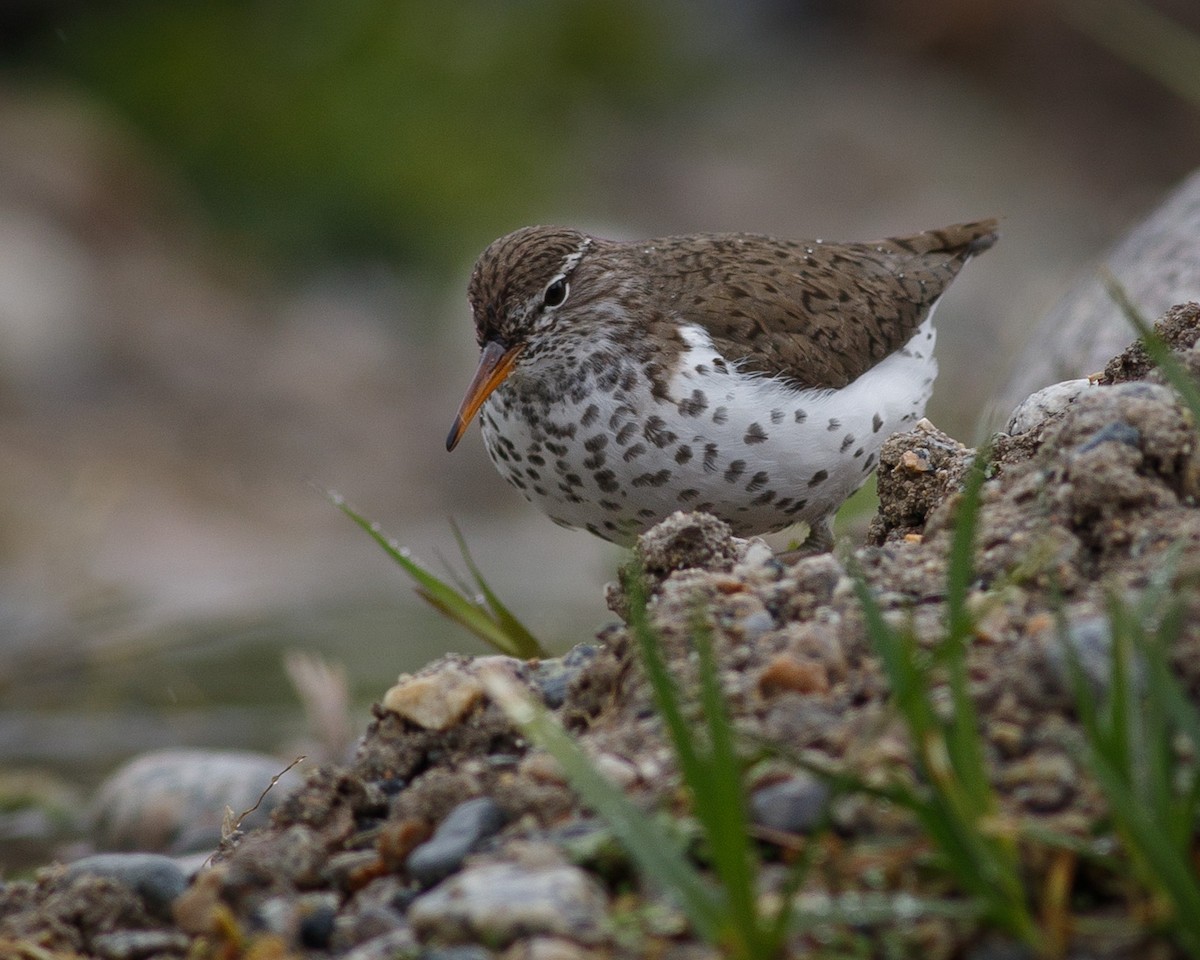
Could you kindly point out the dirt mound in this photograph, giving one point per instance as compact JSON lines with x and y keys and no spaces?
{"x":450,"y":828}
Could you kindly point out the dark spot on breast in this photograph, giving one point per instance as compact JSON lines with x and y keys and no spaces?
{"x":784,"y":503}
{"x":876,"y":423}
{"x":754,"y":434}
{"x":834,"y":423}
{"x":763,"y":498}
{"x":711,"y":452}
{"x":847,"y":442}
{"x":558,"y":449}
{"x":610,"y":505}
{"x":606,"y":480}
{"x":646,"y":513}
{"x":796,"y":507}
{"x":657,"y":433}
{"x":598,"y":442}
{"x":634,"y":452}
{"x":736,"y":469}
{"x":626,"y":433}
{"x":695,"y":405}
{"x":777,"y":416}
{"x":758,"y":481}
{"x":801,"y":416}
{"x":590,"y":415}
{"x":652,"y":479}
{"x":532,"y":474}
{"x":819,"y":477}
{"x":683,"y":454}
{"x":720,"y":415}
{"x":691,"y":493}
{"x":595,"y":461}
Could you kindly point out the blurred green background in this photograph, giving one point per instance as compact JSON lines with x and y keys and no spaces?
{"x":234,"y":241}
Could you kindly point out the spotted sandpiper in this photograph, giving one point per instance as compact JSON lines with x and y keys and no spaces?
{"x":748,"y":377}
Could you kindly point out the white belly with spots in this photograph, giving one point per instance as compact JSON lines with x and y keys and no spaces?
{"x":612,"y":458}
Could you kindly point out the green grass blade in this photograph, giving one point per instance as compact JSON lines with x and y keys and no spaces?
{"x":525,"y":642}
{"x":721,"y":804}
{"x":452,"y":603}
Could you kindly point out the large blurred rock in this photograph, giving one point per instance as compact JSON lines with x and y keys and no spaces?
{"x":1158,"y":263}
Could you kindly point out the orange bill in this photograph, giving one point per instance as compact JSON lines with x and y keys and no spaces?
{"x":494,"y":364}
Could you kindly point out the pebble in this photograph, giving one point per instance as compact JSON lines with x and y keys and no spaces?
{"x":795,"y":805}
{"x":788,"y":674}
{"x":375,"y":911}
{"x":547,"y":948}
{"x":464,"y":828}
{"x":387,"y":946}
{"x":499,"y":902}
{"x":173,"y":801}
{"x":156,"y":878}
{"x":553,"y":677}
{"x":139,"y":944}
{"x":1047,"y":402}
{"x":305,"y":920}
{"x":463,"y":952}
{"x":437,"y":700}
{"x":1090,"y":639}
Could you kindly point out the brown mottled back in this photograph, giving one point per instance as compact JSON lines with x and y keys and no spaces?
{"x":819,"y":314}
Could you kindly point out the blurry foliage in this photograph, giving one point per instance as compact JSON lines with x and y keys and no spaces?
{"x":414,"y":129}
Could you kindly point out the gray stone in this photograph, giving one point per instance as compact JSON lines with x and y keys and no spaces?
{"x":1037,"y":407}
{"x":139,"y":944}
{"x":553,"y":677}
{"x":396,"y":945}
{"x":466,"y":826}
{"x":1089,"y":639}
{"x":499,"y":902}
{"x":157,"y":879}
{"x":173,"y":801}
{"x":795,"y":805}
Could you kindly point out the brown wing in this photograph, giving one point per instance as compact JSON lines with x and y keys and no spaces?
{"x":820,"y":314}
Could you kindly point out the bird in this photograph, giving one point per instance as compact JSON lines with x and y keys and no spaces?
{"x":748,"y":377}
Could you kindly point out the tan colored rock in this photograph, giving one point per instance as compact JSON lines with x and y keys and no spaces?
{"x":436,"y":700}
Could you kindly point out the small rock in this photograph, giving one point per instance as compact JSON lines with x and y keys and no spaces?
{"x":1047,"y":402}
{"x":547,"y":948}
{"x":157,"y":879}
{"x":387,"y":946}
{"x":437,"y":700}
{"x":352,"y":869}
{"x":795,"y":805}
{"x":466,"y":826}
{"x":139,"y":944}
{"x":306,"y":920}
{"x":1090,"y":644}
{"x":553,"y":677}
{"x":464,"y":952}
{"x":499,"y":902}
{"x":786,"y":673}
{"x":375,"y":911}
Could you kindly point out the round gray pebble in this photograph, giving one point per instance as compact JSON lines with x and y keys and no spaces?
{"x":157,"y":879}
{"x":795,"y":805}
{"x":499,"y":902}
{"x":466,"y":826}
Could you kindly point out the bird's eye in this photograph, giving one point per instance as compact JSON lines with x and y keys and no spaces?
{"x":555,"y":294}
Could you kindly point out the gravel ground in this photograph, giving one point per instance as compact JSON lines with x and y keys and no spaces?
{"x":449,"y":836}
